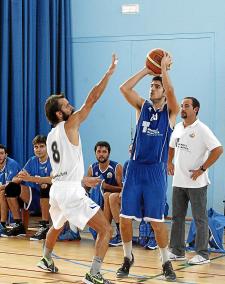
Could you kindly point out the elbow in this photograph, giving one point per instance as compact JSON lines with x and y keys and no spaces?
{"x":218,"y":151}
{"x":123,"y":89}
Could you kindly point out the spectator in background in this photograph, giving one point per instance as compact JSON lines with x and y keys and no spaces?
{"x":33,"y":179}
{"x":193,"y":148}
{"x":111,"y":174}
{"x":8,"y":169}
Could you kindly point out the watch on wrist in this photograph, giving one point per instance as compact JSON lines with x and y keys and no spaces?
{"x":202,"y":169}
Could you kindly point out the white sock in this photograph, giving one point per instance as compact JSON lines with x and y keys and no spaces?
{"x":127,"y":249}
{"x":96,"y":265}
{"x":47,"y":253}
{"x":164,"y":254}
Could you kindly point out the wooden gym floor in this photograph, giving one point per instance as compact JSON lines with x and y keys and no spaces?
{"x":19,"y":256}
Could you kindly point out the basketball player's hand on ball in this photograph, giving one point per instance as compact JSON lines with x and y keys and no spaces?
{"x":149,"y":71}
{"x":91,"y":181}
{"x":170,"y":168}
{"x":112,"y":67}
{"x":166,"y":61}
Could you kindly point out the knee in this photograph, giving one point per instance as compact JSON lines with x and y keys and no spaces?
{"x":106,"y":231}
{"x":12,"y":190}
{"x":106,"y":197}
{"x":125,"y":224}
{"x":114,"y":198}
{"x":157,"y":227}
{"x":110,"y":231}
{"x":44,"y":191}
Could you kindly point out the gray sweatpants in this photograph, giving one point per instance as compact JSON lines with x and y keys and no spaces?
{"x":198,"y":200}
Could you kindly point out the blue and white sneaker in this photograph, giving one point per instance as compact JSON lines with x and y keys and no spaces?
{"x":116,"y":241}
{"x":3,"y":230}
{"x":151,"y":244}
{"x":69,"y":235}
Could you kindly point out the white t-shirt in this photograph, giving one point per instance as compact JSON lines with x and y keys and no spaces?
{"x":66,"y":159}
{"x":192,"y":146}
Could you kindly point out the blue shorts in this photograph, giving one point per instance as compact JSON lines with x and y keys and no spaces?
{"x":144,"y":192}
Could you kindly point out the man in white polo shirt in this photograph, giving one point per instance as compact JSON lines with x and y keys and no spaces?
{"x":193,"y":148}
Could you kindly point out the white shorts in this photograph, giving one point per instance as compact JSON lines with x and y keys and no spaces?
{"x":69,"y":202}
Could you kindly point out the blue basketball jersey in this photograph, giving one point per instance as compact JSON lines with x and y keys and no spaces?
{"x":153,"y":131}
{"x":125,"y":169}
{"x":35,"y":168}
{"x":10,"y":170}
{"x":109,"y":175}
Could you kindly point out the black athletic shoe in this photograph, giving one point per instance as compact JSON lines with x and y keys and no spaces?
{"x":123,"y":271}
{"x":17,"y":230}
{"x":168,"y":271}
{"x":40,"y":234}
{"x":95,"y":279}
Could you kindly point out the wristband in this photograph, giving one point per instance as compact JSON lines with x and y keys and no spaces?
{"x":202,"y":169}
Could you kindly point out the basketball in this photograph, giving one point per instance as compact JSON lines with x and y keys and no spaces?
{"x":153,"y":60}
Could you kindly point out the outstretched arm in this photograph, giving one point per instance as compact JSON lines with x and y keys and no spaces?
{"x":172,"y":103}
{"x":80,"y":115}
{"x":127,"y":89}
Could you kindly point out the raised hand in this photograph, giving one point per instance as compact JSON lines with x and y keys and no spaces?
{"x":112,"y":67}
{"x":166,"y":61}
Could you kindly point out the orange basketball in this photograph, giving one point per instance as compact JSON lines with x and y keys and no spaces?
{"x":153,"y":60}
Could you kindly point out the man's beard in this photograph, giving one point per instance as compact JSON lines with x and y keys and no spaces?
{"x":66,"y":116}
{"x":102,"y":161}
{"x":183,"y":115}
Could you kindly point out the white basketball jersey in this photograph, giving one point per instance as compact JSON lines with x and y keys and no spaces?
{"x":66,"y":159}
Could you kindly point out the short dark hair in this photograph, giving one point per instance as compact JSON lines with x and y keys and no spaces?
{"x":39,"y":139}
{"x":102,"y":144}
{"x":195,"y":103}
{"x":157,"y":78}
{"x":3,"y":147}
{"x":52,"y":106}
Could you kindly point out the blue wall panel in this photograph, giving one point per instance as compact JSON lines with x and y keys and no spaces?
{"x":194,"y":36}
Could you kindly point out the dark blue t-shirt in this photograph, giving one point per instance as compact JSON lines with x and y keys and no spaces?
{"x":109,"y":175}
{"x":153,"y":131}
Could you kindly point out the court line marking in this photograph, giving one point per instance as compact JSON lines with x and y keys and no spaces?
{"x":139,"y":278}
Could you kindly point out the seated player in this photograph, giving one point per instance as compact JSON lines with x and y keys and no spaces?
{"x":111,"y":174}
{"x":8,"y":169}
{"x":33,"y":180}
